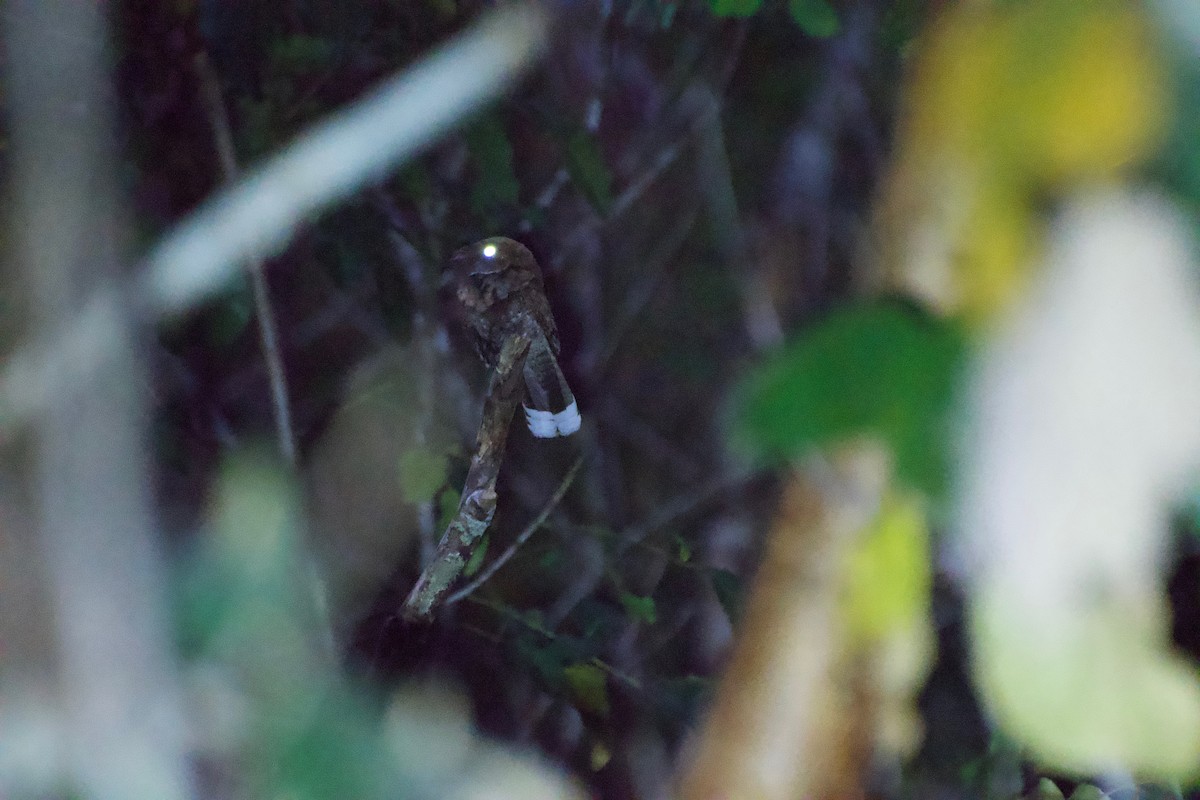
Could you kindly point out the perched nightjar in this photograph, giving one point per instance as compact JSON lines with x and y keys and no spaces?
{"x":494,"y":288}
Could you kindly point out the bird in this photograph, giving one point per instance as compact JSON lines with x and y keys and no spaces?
{"x":494,"y":289}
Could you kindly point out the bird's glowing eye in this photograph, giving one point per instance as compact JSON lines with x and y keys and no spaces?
{"x":489,"y":251}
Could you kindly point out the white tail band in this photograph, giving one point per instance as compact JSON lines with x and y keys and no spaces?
{"x":547,"y":424}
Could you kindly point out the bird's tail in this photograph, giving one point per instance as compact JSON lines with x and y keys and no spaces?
{"x":550,"y":408}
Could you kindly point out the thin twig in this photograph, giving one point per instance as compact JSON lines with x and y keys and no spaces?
{"x":268,"y":333}
{"x":478,"y":503}
{"x":534,"y":524}
{"x":679,"y":507}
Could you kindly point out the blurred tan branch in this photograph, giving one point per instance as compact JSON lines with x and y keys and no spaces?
{"x":789,"y":719}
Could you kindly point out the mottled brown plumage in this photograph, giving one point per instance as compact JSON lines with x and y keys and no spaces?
{"x":494,"y":289}
{"x":497,"y":296}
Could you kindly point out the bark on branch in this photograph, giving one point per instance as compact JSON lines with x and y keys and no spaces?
{"x":478,"y":503}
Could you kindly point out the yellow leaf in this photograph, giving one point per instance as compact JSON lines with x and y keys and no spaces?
{"x":888,"y":579}
{"x":1010,"y":106}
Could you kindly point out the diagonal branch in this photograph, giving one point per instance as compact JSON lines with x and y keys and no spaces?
{"x":478,"y":503}
{"x":524,"y":536}
{"x":268,"y":331}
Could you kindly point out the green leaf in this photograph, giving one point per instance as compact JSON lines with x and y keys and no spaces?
{"x":476,"y":560}
{"x":641,"y":608}
{"x":299,"y":54}
{"x":588,"y":684}
{"x":422,"y":473}
{"x":881,"y":369}
{"x":735,"y":8}
{"x":589,"y":172}
{"x":815,"y":17}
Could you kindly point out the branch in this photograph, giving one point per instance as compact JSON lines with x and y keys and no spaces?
{"x":268,"y":331}
{"x":522,"y":537}
{"x":478,"y":503}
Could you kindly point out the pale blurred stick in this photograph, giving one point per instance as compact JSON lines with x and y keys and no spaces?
{"x":122,"y":726}
{"x":254,"y":218}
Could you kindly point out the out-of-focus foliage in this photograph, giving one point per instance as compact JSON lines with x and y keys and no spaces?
{"x":1010,"y":105}
{"x":1082,"y":429}
{"x":890,"y":578}
{"x":251,"y":633}
{"x":587,"y":168}
{"x":885,"y":370}
{"x":495,"y":189}
{"x":1014,"y":112}
{"x":270,"y":702}
{"x":600,"y":642}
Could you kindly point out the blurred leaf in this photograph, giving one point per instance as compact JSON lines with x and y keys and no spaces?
{"x":548,"y":659}
{"x":447,"y":506}
{"x":600,"y":756}
{"x":550,"y":560}
{"x":1092,"y":689}
{"x":422,"y":473}
{"x":889,"y":577}
{"x":588,"y":683}
{"x":298,"y":53}
{"x":1087,"y":791}
{"x":339,"y":754}
{"x":1045,"y":790}
{"x":476,"y":560}
{"x":877,"y":369}
{"x":230,"y":315}
{"x":993,"y":133}
{"x":735,"y":8}
{"x":684,"y":551}
{"x":815,"y":17}
{"x":730,"y":592}
{"x":254,"y":517}
{"x":589,"y":172}
{"x":640,"y":608}
{"x":1178,"y":162}
{"x":495,"y":187}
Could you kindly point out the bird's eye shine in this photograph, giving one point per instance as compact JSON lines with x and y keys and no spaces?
{"x":489,"y":251}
